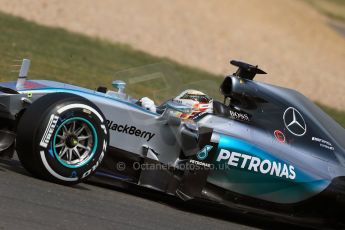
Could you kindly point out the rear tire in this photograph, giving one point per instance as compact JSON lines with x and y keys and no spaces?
{"x":62,"y":138}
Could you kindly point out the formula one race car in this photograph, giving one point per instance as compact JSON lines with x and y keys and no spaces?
{"x":264,"y":149}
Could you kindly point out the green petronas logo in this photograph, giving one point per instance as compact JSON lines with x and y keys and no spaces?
{"x":202,"y":155}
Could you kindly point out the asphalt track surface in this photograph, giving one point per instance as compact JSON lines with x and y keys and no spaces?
{"x":29,"y":203}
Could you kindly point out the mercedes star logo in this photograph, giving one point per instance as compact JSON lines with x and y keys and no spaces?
{"x":294,"y":122}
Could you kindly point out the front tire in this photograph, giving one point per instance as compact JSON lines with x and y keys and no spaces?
{"x":62,"y":138}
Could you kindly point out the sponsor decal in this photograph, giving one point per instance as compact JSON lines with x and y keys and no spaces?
{"x":202,"y":154}
{"x":198,"y":116}
{"x":200,"y":163}
{"x":130,"y":130}
{"x":255,"y":164}
{"x":280,"y":137}
{"x":323,"y":143}
{"x":49,"y":131}
{"x":294,"y":122}
{"x":241,"y":116}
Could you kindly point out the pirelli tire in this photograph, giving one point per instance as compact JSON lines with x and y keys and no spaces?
{"x":62,"y":138}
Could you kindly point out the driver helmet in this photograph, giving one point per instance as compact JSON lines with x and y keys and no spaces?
{"x":199,"y":101}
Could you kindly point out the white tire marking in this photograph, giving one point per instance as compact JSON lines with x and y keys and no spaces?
{"x":71,"y":106}
{"x":52,"y":172}
{"x":104,"y":128}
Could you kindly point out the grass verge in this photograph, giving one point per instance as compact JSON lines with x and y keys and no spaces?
{"x":334,"y":9}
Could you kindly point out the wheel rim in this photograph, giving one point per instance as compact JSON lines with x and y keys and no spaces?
{"x":75,"y":142}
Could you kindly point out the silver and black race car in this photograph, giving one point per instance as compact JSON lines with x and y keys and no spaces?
{"x":265,"y":149}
